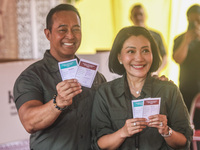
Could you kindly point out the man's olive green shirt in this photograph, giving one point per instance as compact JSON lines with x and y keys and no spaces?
{"x":112,"y":107}
{"x":71,"y":130}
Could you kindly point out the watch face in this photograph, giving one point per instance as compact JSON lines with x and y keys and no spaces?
{"x":169,"y":133}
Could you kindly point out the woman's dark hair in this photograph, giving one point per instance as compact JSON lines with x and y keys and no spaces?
{"x":61,"y":7}
{"x":122,"y":36}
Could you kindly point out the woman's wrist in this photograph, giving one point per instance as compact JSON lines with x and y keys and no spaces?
{"x":122,"y":133}
{"x":169,"y":132}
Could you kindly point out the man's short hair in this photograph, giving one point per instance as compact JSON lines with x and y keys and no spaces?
{"x":193,"y":9}
{"x":61,"y":7}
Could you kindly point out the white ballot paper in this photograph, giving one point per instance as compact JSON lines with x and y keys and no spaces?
{"x":68,"y":69}
{"x":86,"y":72}
{"x":143,"y":108}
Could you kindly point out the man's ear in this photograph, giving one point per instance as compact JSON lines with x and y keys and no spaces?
{"x":47,"y":33}
{"x":131,"y":17}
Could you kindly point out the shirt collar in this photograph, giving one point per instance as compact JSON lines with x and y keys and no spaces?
{"x":120,"y":88}
{"x":147,"y":87}
{"x":51,"y":62}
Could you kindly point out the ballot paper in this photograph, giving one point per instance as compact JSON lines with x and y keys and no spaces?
{"x":68,"y":69}
{"x":143,"y":108}
{"x":86,"y":72}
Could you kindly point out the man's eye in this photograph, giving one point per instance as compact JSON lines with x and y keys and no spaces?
{"x":62,"y":30}
{"x":76,"y":30}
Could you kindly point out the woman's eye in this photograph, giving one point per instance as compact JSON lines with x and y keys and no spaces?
{"x":146,"y":50}
{"x":130,"y":51}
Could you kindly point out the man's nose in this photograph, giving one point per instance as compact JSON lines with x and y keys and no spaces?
{"x":70,"y":34}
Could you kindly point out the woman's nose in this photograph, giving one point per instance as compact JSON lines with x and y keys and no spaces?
{"x":138,"y":56}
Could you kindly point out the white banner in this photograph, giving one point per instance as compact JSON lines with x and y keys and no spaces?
{"x":11,"y":128}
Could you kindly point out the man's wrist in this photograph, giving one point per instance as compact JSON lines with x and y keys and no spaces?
{"x":55,"y":104}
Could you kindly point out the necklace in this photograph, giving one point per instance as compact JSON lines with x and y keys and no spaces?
{"x":133,"y":87}
{"x":137,"y":92}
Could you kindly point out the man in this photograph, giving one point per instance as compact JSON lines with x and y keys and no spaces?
{"x":138,"y":17}
{"x":186,"y":53}
{"x":56,"y":113}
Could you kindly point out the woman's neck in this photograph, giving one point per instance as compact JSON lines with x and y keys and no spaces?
{"x":135,"y":85}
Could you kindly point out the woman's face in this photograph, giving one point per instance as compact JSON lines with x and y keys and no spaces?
{"x":136,"y":56}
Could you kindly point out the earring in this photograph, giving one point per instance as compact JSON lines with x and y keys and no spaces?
{"x":120,"y":63}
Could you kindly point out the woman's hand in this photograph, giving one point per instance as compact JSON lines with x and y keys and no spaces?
{"x":133,"y":126}
{"x":160,"y":122}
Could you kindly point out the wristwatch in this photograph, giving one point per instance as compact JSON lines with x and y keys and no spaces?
{"x":169,"y":133}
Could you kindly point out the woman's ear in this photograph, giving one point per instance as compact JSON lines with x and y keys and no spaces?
{"x":119,"y":58}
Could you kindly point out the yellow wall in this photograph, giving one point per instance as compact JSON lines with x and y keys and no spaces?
{"x":97,"y":26}
{"x":102,"y":19}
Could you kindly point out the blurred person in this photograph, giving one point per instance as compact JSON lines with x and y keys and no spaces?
{"x":56,"y":113}
{"x":138,"y":18}
{"x":186,"y":53}
{"x":135,"y":55}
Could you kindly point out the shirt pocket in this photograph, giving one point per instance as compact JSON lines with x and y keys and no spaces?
{"x":118,"y":117}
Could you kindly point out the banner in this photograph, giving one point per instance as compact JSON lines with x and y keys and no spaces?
{"x":11,"y":128}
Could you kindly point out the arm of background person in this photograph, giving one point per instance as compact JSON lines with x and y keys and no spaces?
{"x":181,"y":52}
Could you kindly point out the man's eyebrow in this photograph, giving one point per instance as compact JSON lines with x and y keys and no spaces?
{"x":77,"y":25}
{"x":64,"y":25}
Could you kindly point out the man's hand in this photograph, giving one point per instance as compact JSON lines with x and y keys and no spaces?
{"x":66,"y":90}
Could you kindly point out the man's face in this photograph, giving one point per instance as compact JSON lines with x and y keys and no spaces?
{"x":138,"y":16}
{"x":65,"y":35}
{"x":195,"y":19}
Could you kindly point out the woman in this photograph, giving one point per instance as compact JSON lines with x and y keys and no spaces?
{"x":134,"y":55}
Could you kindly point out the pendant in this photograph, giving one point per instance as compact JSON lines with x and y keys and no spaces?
{"x":137,"y":92}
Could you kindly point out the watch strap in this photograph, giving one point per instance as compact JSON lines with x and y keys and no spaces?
{"x":169,"y":133}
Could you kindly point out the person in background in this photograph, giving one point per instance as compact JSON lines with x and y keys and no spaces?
{"x":138,"y":18}
{"x":135,"y":55}
{"x":56,"y":113}
{"x":186,"y":53}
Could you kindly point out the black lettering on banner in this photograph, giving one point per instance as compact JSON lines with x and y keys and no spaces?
{"x":13,"y":110}
{"x":10,"y":97}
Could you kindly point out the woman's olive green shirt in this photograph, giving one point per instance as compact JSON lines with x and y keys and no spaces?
{"x":112,"y":107}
